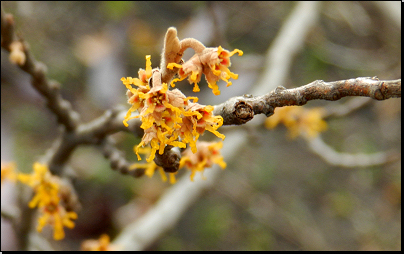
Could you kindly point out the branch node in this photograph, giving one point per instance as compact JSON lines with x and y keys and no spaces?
{"x":280,"y":89}
{"x":378,"y":95}
{"x":39,"y":72}
{"x":270,"y":111}
{"x":243,"y":112}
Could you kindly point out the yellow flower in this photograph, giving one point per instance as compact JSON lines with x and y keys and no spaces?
{"x":160,"y":111}
{"x":199,"y":118}
{"x":56,"y":215}
{"x":145,"y":75}
{"x":213,"y":62}
{"x":45,"y":193}
{"x":192,"y":69}
{"x":8,"y":171}
{"x":312,"y":123}
{"x":134,"y":95}
{"x":299,"y":121}
{"x":102,"y":244}
{"x":219,"y":68}
{"x":207,"y":154}
{"x":40,"y":174}
{"x":45,"y":185}
{"x":47,"y":199}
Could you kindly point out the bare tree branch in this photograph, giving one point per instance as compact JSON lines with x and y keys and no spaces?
{"x":93,"y":133}
{"x":239,"y":110}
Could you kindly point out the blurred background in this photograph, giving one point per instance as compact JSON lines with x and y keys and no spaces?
{"x":275,"y":194}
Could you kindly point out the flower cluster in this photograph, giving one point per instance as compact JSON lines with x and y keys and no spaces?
{"x":299,"y":121}
{"x":168,"y":117}
{"x":102,"y":244}
{"x":48,"y":199}
{"x":213,"y":62}
{"x":208,"y":153}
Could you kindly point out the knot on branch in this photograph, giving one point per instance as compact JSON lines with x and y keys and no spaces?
{"x":243,"y":112}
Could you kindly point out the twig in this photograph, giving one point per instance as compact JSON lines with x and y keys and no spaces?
{"x":239,"y":110}
{"x":117,"y":159}
{"x":346,"y":108}
{"x":319,"y":147}
{"x":93,"y":133}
